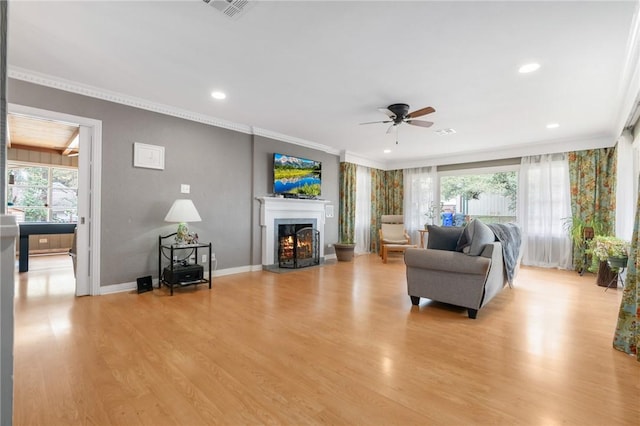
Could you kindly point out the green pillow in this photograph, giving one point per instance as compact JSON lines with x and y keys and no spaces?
{"x":443,"y":237}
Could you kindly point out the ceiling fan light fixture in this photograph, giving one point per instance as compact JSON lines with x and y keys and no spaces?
{"x":527,"y":68}
{"x":399,"y":114}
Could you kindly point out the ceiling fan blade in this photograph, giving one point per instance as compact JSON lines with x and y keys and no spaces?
{"x":420,"y":123}
{"x":421,"y":112}
{"x":390,"y":129}
{"x":388,"y":112}
{"x":374,"y":122}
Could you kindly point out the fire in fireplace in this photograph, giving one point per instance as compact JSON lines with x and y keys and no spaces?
{"x":298,"y":245}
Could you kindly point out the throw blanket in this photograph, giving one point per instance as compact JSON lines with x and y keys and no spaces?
{"x":510,"y":236}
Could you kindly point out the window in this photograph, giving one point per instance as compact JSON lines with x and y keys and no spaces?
{"x":363,"y":210}
{"x":490,"y":197}
{"x":42,"y":193}
{"x":420,"y":206}
{"x":544,"y":204}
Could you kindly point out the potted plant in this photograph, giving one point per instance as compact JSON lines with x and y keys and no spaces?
{"x":581,"y":231}
{"x":431,"y":213}
{"x":344,"y":250}
{"x":608,"y":255}
{"x":576,"y":226}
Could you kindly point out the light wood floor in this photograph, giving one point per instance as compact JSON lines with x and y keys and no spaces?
{"x":339,"y":344}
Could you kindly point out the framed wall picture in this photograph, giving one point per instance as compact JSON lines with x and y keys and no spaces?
{"x":148,"y":156}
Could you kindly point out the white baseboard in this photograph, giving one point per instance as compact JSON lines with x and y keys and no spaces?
{"x":123,"y":287}
{"x":238,"y":270}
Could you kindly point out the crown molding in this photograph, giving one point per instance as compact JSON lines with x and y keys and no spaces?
{"x":513,"y":151}
{"x":293,"y":140}
{"x":119,"y":98}
{"x":352,"y":157}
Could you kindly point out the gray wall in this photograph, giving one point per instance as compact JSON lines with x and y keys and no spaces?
{"x":226,"y":171}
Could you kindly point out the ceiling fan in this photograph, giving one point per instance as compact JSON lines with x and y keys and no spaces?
{"x":399,"y":113}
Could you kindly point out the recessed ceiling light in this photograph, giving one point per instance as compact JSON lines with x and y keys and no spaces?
{"x":527,"y":68}
{"x":553,"y":126}
{"x":387,"y":151}
{"x":218,"y":95}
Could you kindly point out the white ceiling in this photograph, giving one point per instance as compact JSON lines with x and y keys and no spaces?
{"x":314,"y":70}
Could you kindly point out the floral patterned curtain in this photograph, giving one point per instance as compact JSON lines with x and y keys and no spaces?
{"x":377,"y":205}
{"x":592,"y":176}
{"x":347,"y":216}
{"x":627,"y":336}
{"x":386,"y":198}
{"x":395,"y":191}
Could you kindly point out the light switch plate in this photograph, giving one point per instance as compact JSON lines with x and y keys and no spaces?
{"x":185,"y":189}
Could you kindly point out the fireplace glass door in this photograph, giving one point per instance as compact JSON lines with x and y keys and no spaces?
{"x":298,"y":246}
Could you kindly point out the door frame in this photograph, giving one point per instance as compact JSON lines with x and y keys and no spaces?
{"x":89,"y":164}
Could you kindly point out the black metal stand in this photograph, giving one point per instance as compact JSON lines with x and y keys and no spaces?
{"x":614,"y":280}
{"x":173,"y":249}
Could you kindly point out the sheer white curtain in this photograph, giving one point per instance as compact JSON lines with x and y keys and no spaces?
{"x":543,"y":202}
{"x":626,"y":180}
{"x":363,"y":210}
{"x":420,"y":193}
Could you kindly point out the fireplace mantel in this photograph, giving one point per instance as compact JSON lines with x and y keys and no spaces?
{"x":272,"y":208}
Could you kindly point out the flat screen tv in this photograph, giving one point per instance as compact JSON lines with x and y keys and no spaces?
{"x":296,"y":176}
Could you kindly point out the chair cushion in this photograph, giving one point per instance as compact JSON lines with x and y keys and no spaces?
{"x":474,"y":237}
{"x":443,"y":237}
{"x":393,"y":233}
{"x":392,"y":218}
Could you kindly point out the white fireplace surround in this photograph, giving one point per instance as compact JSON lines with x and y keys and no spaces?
{"x":273,"y":208}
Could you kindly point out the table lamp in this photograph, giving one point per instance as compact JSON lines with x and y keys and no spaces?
{"x":182,"y":211}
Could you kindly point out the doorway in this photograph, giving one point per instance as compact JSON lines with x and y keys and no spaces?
{"x":87,"y":213}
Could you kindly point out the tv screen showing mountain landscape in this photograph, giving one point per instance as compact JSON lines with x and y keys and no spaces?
{"x":294,"y":175}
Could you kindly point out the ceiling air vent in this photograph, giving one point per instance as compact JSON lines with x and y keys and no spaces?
{"x":231,"y":8}
{"x":444,"y":132}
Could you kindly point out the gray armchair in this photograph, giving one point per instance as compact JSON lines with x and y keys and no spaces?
{"x":454,"y":277}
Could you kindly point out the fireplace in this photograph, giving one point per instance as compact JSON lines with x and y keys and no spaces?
{"x":276,"y":211}
{"x":298,"y":245}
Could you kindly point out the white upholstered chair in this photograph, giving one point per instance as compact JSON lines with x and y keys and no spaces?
{"x":392,"y":232}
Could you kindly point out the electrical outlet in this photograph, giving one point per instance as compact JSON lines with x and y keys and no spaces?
{"x":204,"y":258}
{"x":213,"y":257}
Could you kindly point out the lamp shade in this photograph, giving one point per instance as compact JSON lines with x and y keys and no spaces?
{"x":183,"y":211}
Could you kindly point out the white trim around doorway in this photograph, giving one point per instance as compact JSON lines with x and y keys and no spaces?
{"x":95,"y":128}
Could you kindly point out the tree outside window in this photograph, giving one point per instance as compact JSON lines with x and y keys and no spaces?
{"x":43,"y":193}
{"x":490,"y":197}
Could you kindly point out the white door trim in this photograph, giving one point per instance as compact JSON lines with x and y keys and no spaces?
{"x":94,"y":163}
